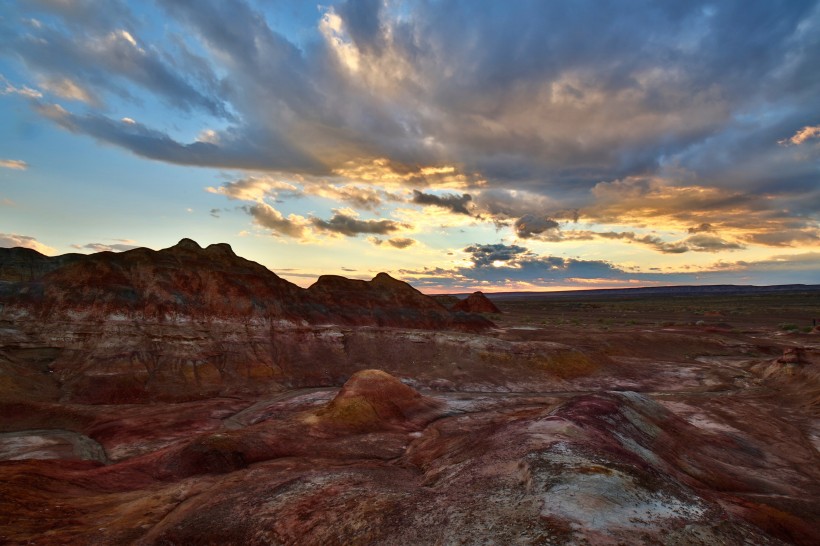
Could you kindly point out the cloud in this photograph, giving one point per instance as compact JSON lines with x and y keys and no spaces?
{"x":803,"y":135}
{"x":704,"y":227}
{"x":512,"y":267}
{"x":103,"y":247}
{"x":87,"y":57}
{"x":11,"y":240}
{"x":452,"y":202}
{"x":395,"y":242}
{"x":786,"y":237}
{"x":535,"y":102}
{"x":694,"y":243}
{"x":503,"y":265}
{"x":231,"y":152}
{"x":710,"y":243}
{"x":268,"y":217}
{"x":488,"y":254}
{"x":363,"y":198}
{"x":6,"y":88}
{"x":84,"y":12}
{"x":344,"y":223}
{"x":16,"y":164}
{"x":759,"y":219}
{"x":255,"y":188}
{"x":628,"y":115}
{"x":500,"y":262}
{"x":528,"y":226}
{"x":68,"y":89}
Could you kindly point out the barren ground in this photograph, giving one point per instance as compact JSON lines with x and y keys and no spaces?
{"x":580,"y":420}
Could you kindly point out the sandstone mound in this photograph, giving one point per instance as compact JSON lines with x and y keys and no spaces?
{"x":797,"y":372}
{"x":382,"y":301}
{"x":476,"y":302}
{"x":373,"y":400}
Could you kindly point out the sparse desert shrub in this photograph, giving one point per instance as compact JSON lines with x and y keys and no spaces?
{"x":788,"y":326}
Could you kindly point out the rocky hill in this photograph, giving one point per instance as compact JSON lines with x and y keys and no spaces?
{"x":476,"y":302}
{"x":188,"y":282}
{"x":189,"y":322}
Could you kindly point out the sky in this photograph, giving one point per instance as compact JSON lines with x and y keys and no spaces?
{"x":459,"y":146}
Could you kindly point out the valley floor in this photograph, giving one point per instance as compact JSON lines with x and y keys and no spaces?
{"x":577,"y":421}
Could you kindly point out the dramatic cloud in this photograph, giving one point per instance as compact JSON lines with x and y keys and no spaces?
{"x":754,"y":218}
{"x":11,"y":240}
{"x":454,"y":203}
{"x":153,"y":144}
{"x":534,"y":103}
{"x":346,"y":224}
{"x":16,"y":164}
{"x":688,"y":129}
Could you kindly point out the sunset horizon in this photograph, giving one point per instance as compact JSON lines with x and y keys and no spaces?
{"x":458,"y":147}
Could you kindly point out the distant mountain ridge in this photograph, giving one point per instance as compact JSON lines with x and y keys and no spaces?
{"x":672,"y":291}
{"x":187,"y":280}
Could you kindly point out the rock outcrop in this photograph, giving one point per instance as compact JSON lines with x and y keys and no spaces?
{"x":188,"y":282}
{"x":187,"y":323}
{"x":142,"y":284}
{"x":476,"y":302}
{"x":373,"y":400}
{"x":382,"y":301}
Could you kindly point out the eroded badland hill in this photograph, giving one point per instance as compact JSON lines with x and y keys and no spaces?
{"x":190,"y":396}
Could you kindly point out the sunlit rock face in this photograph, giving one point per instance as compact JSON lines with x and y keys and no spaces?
{"x":190,"y":322}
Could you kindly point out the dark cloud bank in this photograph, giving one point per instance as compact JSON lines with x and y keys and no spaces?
{"x":701,"y":112}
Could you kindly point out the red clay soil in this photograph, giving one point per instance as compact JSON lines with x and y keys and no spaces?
{"x":381,"y":463}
